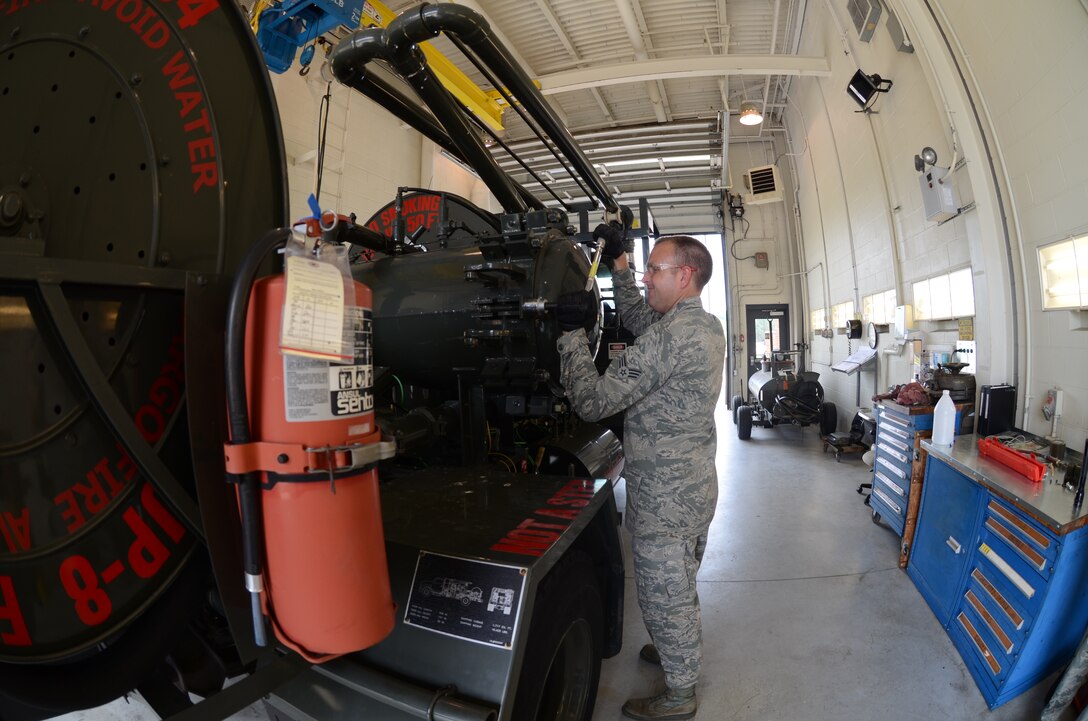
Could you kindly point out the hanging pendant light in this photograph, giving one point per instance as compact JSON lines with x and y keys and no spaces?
{"x":749,"y":114}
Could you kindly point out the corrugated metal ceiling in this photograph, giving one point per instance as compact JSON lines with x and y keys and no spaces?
{"x":669,"y":151}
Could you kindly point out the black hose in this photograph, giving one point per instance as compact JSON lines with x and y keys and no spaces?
{"x":397,"y":45}
{"x":348,"y":61}
{"x":238,"y":416}
{"x":472,"y":29}
{"x":343,"y":61}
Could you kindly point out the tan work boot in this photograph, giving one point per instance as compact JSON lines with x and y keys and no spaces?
{"x":672,"y":704}
{"x":649,"y":654}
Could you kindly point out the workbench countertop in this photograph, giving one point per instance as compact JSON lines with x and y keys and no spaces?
{"x":1048,"y":502}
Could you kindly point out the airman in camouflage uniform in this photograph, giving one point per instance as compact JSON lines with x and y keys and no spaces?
{"x":668,"y":382}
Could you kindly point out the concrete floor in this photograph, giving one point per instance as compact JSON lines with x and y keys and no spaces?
{"x":806,"y":615}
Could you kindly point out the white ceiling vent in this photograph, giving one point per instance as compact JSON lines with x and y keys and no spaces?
{"x":764,"y":185}
{"x":865,"y":14}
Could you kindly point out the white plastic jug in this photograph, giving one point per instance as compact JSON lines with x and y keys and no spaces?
{"x":944,"y":421}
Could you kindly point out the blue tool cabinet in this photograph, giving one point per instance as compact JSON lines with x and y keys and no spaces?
{"x":1003,"y":564}
{"x":896,"y":461}
{"x":899,"y":467}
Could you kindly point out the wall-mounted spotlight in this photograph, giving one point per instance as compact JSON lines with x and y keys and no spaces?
{"x":749,"y":114}
{"x":864,"y":88}
{"x":928,"y":156}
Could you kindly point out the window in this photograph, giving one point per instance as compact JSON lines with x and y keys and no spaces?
{"x":879,"y":308}
{"x":945,"y":296}
{"x":841,"y":313}
{"x":1063,"y":268}
{"x":817,"y":321}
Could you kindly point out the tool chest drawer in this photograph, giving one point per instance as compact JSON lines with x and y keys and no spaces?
{"x":1011,"y":592}
{"x":1003,"y":607}
{"x":898,"y":468}
{"x":905,"y":421}
{"x":984,"y":655}
{"x":1004,"y":527}
{"x":889,"y":499}
{"x":994,"y":618}
{"x":894,"y":443}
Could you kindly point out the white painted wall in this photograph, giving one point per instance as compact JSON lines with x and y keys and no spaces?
{"x":438,"y":171}
{"x":1027,"y":171}
{"x":766,"y":230}
{"x":369,"y":153}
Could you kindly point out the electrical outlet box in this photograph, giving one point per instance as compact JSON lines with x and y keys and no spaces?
{"x":761,"y":259}
{"x":938,"y":194}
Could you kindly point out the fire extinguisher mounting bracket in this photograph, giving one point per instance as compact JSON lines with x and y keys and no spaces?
{"x":294,"y":458}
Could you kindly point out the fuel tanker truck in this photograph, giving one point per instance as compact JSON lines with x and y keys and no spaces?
{"x":395,"y":517}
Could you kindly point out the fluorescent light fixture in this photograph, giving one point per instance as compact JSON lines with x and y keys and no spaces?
{"x":672,"y":159}
{"x":1064,"y":270}
{"x":749,"y":114}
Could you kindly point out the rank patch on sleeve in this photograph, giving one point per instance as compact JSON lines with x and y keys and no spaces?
{"x":627,"y":371}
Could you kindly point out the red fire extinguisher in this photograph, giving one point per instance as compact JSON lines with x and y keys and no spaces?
{"x":313,"y":546}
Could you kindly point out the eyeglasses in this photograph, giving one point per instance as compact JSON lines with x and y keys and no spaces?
{"x":652,"y":268}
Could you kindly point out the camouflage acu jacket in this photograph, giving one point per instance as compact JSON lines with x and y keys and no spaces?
{"x":668,"y":382}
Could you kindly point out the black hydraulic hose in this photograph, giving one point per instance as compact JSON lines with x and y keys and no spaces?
{"x":348,"y":63}
{"x":342,"y":60}
{"x":238,"y":415}
{"x":363,"y":46}
{"x":411,"y":63}
{"x":532,"y":200}
{"x":471,"y":28}
{"x":530,"y":122}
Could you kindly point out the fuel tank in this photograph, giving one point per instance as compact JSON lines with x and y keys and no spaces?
{"x":475,"y":304}
{"x":766,"y":386}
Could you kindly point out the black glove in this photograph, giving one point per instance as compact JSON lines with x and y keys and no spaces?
{"x":576,"y":310}
{"x":614,"y":244}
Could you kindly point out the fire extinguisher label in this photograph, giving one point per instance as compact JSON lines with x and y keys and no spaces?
{"x":348,"y":389}
{"x":316,"y":390}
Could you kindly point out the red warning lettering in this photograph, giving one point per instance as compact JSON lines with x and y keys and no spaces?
{"x":568,"y":514}
{"x":15,"y":529}
{"x":193,"y":10}
{"x":203,"y":163}
{"x":10,"y":7}
{"x":151,"y":418}
{"x":92,"y":603}
{"x":162,"y":516}
{"x":146,"y":556}
{"x":419,"y":211}
{"x":83,"y":500}
{"x":107,"y":478}
{"x":140,"y":17}
{"x":532,"y":537}
{"x":13,"y":631}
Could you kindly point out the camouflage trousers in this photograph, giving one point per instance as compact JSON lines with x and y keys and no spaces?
{"x":665,"y":570}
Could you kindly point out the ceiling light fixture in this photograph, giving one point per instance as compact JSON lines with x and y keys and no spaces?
{"x":749,"y":114}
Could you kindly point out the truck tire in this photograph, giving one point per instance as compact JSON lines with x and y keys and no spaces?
{"x":744,"y":422}
{"x":829,"y":418}
{"x":736,"y":403}
{"x":563,"y":657}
